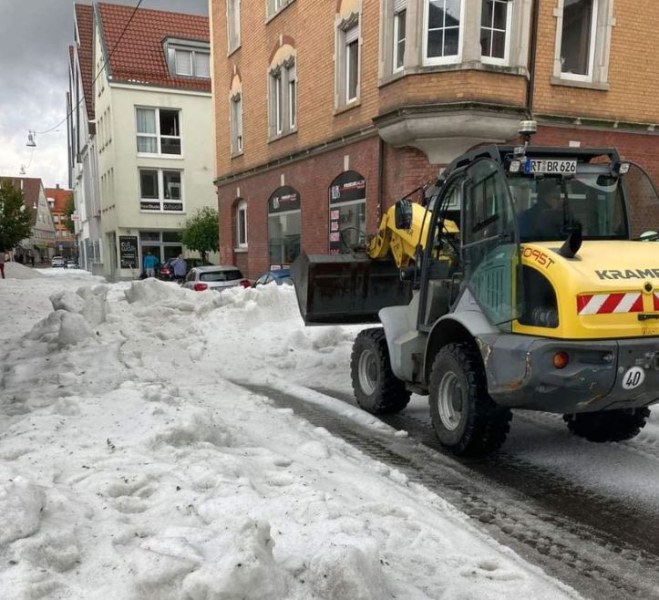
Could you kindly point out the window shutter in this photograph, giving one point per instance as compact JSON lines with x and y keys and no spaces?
{"x":203,"y":68}
{"x":399,"y":5}
{"x":352,"y":34}
{"x":183,"y":62}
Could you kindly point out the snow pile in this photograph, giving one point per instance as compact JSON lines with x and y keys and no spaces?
{"x":134,"y":464}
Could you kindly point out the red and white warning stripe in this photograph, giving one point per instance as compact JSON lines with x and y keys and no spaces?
{"x":601,"y":304}
{"x":656,"y":301}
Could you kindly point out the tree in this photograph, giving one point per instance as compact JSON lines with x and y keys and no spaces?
{"x":15,"y":217}
{"x":202,"y":232}
{"x":69,"y":209}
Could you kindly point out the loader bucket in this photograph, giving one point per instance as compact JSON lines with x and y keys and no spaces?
{"x":344,"y":289}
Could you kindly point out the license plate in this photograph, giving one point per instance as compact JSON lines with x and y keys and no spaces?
{"x":551,"y":165}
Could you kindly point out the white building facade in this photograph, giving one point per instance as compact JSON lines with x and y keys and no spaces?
{"x":148,"y":166}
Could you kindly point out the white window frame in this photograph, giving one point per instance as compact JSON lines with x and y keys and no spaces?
{"x":236,"y":124}
{"x":490,"y":60}
{"x":291,"y":97}
{"x":162,"y":199}
{"x":442,"y":60}
{"x":348,"y":37}
{"x":157,"y":134}
{"x":595,"y":42}
{"x":233,"y":24}
{"x":275,"y":6}
{"x":241,"y":224}
{"x":282,"y":80}
{"x":277,"y":83}
{"x":351,"y":48}
{"x":400,"y":9}
{"x":199,"y":53}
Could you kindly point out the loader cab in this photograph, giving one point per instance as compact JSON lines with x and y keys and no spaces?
{"x":484,"y":259}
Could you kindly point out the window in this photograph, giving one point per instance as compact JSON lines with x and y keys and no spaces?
{"x":278,"y":117}
{"x":187,"y":58}
{"x":236,"y":124}
{"x":400,"y":15}
{"x":189,"y":63}
{"x":160,"y":190}
{"x":233,"y":24}
{"x":274,"y":6}
{"x":347,"y":212}
{"x":158,"y":131}
{"x":495,"y":25}
{"x":284,"y":224}
{"x":347,"y":77}
{"x":241,"y":224}
{"x":292,"y":95}
{"x":352,"y":64}
{"x":579,"y":19}
{"x":443,"y":35}
{"x":283,"y":98}
{"x":583,"y":41}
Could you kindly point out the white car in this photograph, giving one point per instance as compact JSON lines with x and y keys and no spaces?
{"x":216,"y":278}
{"x":57,"y":261}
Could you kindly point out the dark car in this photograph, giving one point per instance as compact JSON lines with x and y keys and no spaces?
{"x":166,"y":272}
{"x":279,"y":276}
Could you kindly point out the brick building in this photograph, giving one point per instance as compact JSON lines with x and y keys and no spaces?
{"x":327,"y":111}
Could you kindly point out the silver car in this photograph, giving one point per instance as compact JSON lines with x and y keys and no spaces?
{"x":215,"y":278}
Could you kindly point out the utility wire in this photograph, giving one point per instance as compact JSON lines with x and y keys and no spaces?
{"x":107,"y":59}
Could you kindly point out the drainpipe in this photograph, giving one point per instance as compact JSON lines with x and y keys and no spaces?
{"x":380,"y":179}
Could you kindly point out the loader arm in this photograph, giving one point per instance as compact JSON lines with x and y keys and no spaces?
{"x":401,"y":244}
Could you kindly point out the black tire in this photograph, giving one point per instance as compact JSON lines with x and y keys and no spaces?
{"x":608,"y":425}
{"x":377,"y":389}
{"x":466,"y":420}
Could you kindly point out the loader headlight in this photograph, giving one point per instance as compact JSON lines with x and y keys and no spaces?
{"x":621,"y":168}
{"x":515,"y":166}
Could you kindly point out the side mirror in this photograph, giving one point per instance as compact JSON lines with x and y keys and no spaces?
{"x":403,"y":214}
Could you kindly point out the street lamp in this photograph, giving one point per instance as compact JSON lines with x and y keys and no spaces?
{"x":30,"y":139}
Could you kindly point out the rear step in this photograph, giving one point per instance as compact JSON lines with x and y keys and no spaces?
{"x":346,"y":289}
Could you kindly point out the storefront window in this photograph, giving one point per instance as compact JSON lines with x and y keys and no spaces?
{"x":283,"y":226}
{"x":347,"y":212}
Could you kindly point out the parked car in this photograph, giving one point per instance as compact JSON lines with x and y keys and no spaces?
{"x":279,"y":276}
{"x":71,"y":264}
{"x":58,"y":261}
{"x":214,"y":277}
{"x":166,"y":272}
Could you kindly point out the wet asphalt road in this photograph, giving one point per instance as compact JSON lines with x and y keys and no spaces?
{"x":603,"y":547}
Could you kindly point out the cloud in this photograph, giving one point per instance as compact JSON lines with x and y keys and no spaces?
{"x":35,"y":36}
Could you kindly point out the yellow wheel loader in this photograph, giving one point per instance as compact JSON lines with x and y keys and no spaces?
{"x":517,"y":285}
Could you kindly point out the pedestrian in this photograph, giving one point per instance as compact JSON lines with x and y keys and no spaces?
{"x":180,"y":268}
{"x":150,"y":264}
{"x":2,"y":264}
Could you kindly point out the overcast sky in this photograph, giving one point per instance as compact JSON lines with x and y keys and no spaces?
{"x":34,"y":40}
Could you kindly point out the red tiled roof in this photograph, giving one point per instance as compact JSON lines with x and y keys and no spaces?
{"x":61,"y":197}
{"x":85,"y":25}
{"x":137,"y":55}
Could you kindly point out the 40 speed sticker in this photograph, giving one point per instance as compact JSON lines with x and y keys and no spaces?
{"x":633,"y":377}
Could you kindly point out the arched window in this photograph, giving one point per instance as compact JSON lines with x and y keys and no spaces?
{"x":283,"y":226}
{"x":347,"y":211}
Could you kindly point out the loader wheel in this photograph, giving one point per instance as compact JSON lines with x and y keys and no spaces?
{"x":608,"y":425}
{"x":465,"y":418}
{"x":377,"y":389}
